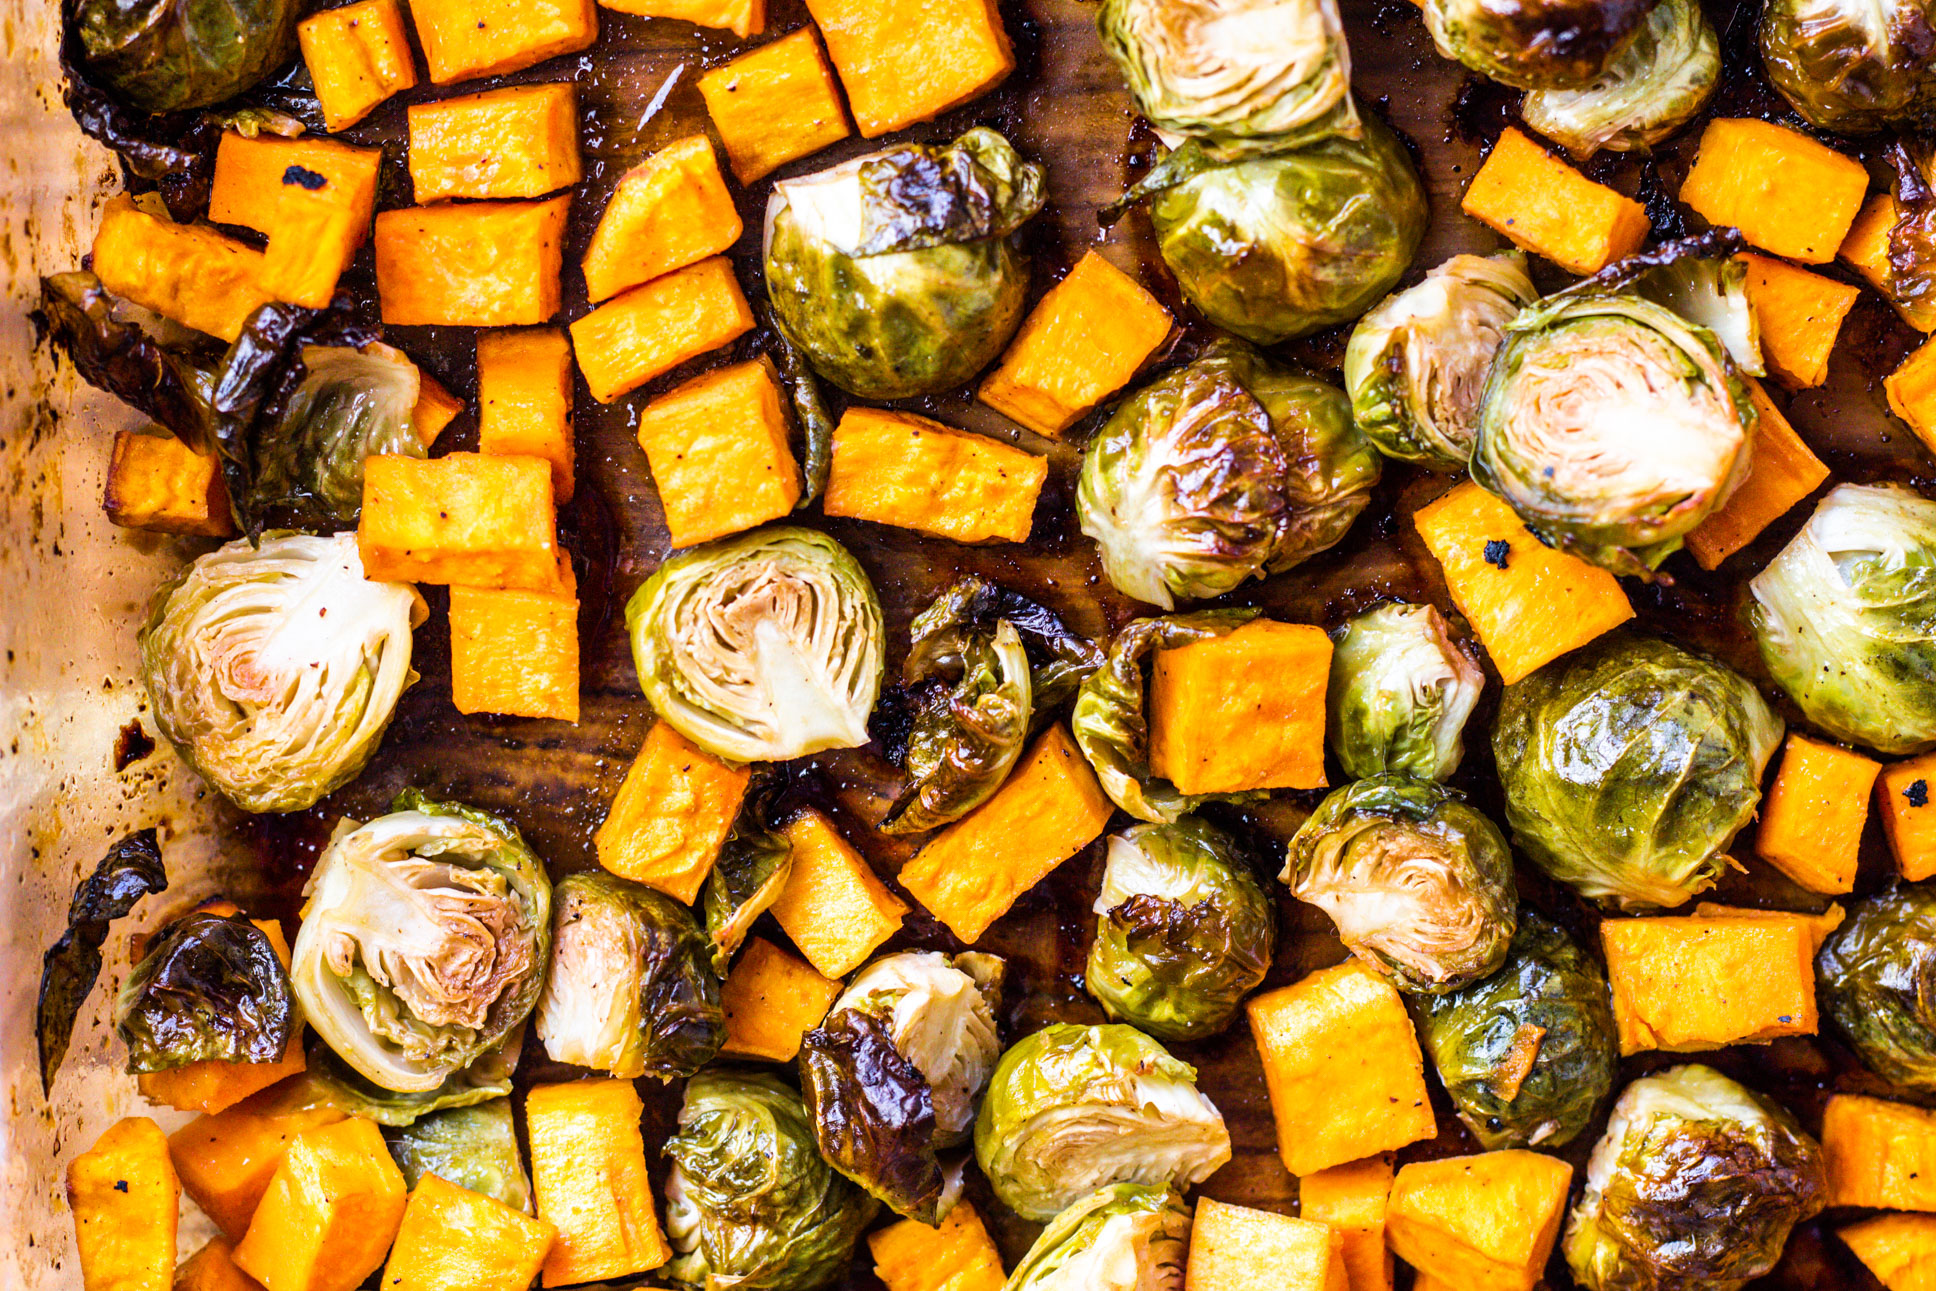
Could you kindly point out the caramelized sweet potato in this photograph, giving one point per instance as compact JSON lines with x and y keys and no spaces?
{"x":672,"y":812}
{"x":669,"y":211}
{"x":903,"y":469}
{"x":329,"y":1214}
{"x":1912,"y":393}
{"x":1242,"y":711}
{"x":357,"y":57}
{"x":157,"y":482}
{"x":1782,"y":471}
{"x":1900,"y":1250}
{"x":514,"y":651}
{"x":774,"y":105}
{"x":1905,"y":795}
{"x":1352,"y":1198}
{"x":477,"y":264}
{"x":1800,"y":314}
{"x":1688,"y":984}
{"x":1866,"y":250}
{"x":717,"y":446}
{"x":212,"y":1268}
{"x":452,"y":1239}
{"x":464,"y":39}
{"x":741,"y":17}
{"x":1542,"y":205}
{"x":907,"y":63}
{"x":1235,"y":1248}
{"x":772,"y":999}
{"x":521,"y":141}
{"x":226,"y":1160}
{"x":249,"y":175}
{"x":184,"y":272}
{"x":524,"y":400}
{"x":315,"y":237}
{"x":833,"y":907}
{"x":652,"y":329}
{"x":1479,"y":1221}
{"x":467,"y":519}
{"x":124,"y":1196}
{"x":436,"y":408}
{"x":1812,"y":819}
{"x":956,"y":1255}
{"x":1879,"y":1153}
{"x":1785,"y":192}
{"x":588,"y":1171}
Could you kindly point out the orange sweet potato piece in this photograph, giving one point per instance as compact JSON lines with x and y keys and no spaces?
{"x":672,"y":812}
{"x":1906,"y":793}
{"x":465,"y":518}
{"x":436,"y":408}
{"x":772,"y":999}
{"x":774,"y":105}
{"x":315,"y":237}
{"x":1353,"y":1198}
{"x":329,"y":1214}
{"x":452,"y":1239}
{"x":1236,"y":1248}
{"x":514,"y":651}
{"x":524,"y":400}
{"x":1879,"y":1153}
{"x":157,"y":482}
{"x":718,"y":449}
{"x":249,"y":175}
{"x":1479,"y":1221}
{"x":956,"y":1255}
{"x":1866,"y":250}
{"x":212,"y":1268}
{"x":669,"y":211}
{"x":1800,"y":314}
{"x":1242,"y":711}
{"x":907,"y":63}
{"x":741,"y":17}
{"x":464,"y":39}
{"x":653,"y":328}
{"x":1541,"y":204}
{"x":226,"y":1160}
{"x":903,"y":469}
{"x":588,"y":1171}
{"x":1785,"y":192}
{"x":1900,"y":1250}
{"x":185,"y":272}
{"x":833,"y":907}
{"x":1912,"y":393}
{"x":516,"y":142}
{"x":124,"y":1196}
{"x":357,"y":57}
{"x":476,"y":264}
{"x":1811,"y":821}
{"x":1687,"y":984}
{"x":1782,"y":471}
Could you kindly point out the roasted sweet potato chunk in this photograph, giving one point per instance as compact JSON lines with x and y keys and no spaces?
{"x":1242,"y":711}
{"x":669,"y":211}
{"x":772,"y":998}
{"x":1236,"y":1248}
{"x":717,"y":445}
{"x":476,"y":264}
{"x":515,"y":142}
{"x":1479,"y":1221}
{"x":329,"y":1215}
{"x":452,"y":1239}
{"x":185,"y":272}
{"x":467,"y":519}
{"x":1541,"y":204}
{"x":464,"y":39}
{"x":1912,"y":393}
{"x":524,"y":400}
{"x":515,"y":652}
{"x":1800,"y":314}
{"x":1782,"y":471}
{"x":1687,"y":984}
{"x":357,"y":57}
{"x":672,"y":812}
{"x":249,"y":174}
{"x":157,"y":482}
{"x":741,"y":17}
{"x":1785,"y":192}
{"x":775,"y":105}
{"x":1907,"y":795}
{"x":903,"y":469}
{"x":907,"y":63}
{"x":653,"y":328}
{"x":588,"y":1171}
{"x":124,"y":1195}
{"x":833,"y":907}
{"x":1812,"y":819}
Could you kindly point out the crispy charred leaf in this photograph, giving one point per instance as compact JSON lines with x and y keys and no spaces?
{"x":486,"y":1078}
{"x":473,"y":1147}
{"x":1912,"y":243}
{"x":809,"y":410}
{"x":210,"y":988}
{"x":113,"y":350}
{"x":873,"y":1113}
{"x":174,"y":151}
{"x":746,"y":880}
{"x":131,"y":870}
{"x":1699,"y":277}
{"x":1876,"y":978}
{"x":919,"y":196}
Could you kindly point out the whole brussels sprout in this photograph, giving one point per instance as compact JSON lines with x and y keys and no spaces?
{"x":211,"y":988}
{"x":473,"y":1147}
{"x":1876,"y":979}
{"x":1419,"y":884}
{"x":750,"y":1204}
{"x":1416,"y":364}
{"x":1400,"y":693}
{"x":891,"y":1076}
{"x":1183,"y":932}
{"x":172,"y":55}
{"x":1845,"y":617}
{"x":274,"y":669}
{"x":1651,"y":90}
{"x":1536,"y":44}
{"x":763,"y":647}
{"x":1528,"y":1053}
{"x":1226,"y":469}
{"x":1853,"y":66}
{"x":1630,"y":765}
{"x":895,"y":272}
{"x":1072,"y":1109}
{"x":1697,"y":1183}
{"x":1126,"y":1237}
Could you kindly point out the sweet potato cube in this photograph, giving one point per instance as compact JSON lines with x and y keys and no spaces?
{"x":1685,"y":984}
{"x":1900,"y":1250}
{"x":1879,"y":1153}
{"x":1541,"y":204}
{"x":1782,"y":471}
{"x":515,"y":142}
{"x":1242,"y":711}
{"x":157,"y":482}
{"x":1343,"y":1067}
{"x":1909,"y":814}
{"x":357,"y":57}
{"x":436,"y":408}
{"x":1785,"y":192}
{"x":741,"y":17}
{"x":653,"y":328}
{"x":475,"y":264}
{"x":833,"y":906}
{"x":465,"y":39}
{"x":1529,"y":603}
{"x":956,"y":1255}
{"x":902,"y":469}
{"x":672,"y":812}
{"x":1049,"y":808}
{"x":316,"y":234}
{"x":1800,"y":314}
{"x":124,"y":1196}
{"x":1352,"y":1198}
{"x":515,"y":652}
{"x":1811,"y":821}
{"x":329,"y":1215}
{"x":1912,"y":393}
{"x":774,"y":105}
{"x":226,"y":1160}
{"x":717,"y":445}
{"x":1479,"y":1221}
{"x":452,"y":1239}
{"x":1866,"y":250}
{"x":669,"y":211}
{"x":212,"y":1085}
{"x":185,"y":272}
{"x":1819,"y":926}
{"x":524,"y":400}
{"x":1235,"y":1248}
{"x":466,"y":518}
{"x":771,"y":1000}
{"x":212,"y":1268}
{"x":588,"y":1170}
{"x":907,"y":63}
{"x":1080,"y":345}
{"x":249,"y":175}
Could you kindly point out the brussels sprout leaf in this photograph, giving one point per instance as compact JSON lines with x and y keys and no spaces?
{"x":752,"y":868}
{"x":1912,"y":243}
{"x":873,"y":1112}
{"x":210,"y":988}
{"x":809,"y":410}
{"x":919,"y":196}
{"x":473,"y":1147}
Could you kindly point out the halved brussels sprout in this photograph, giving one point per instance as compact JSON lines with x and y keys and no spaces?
{"x":275,"y":669}
{"x":1126,"y":1237}
{"x":1536,"y":44}
{"x":1401,"y":691}
{"x":891,"y":1076}
{"x":350,"y":404}
{"x":750,"y":1204}
{"x":1651,"y":90}
{"x":1072,"y":1109}
{"x":746,"y":880}
{"x":335,"y":1082}
{"x":1630,"y":765}
{"x":1227,"y":469}
{"x":1527,"y":1054}
{"x":170,"y":55}
{"x":473,"y":1147}
{"x":1419,"y":884}
{"x":1845,"y":617}
{"x":423,"y":941}
{"x":763,"y":647}
{"x":1183,"y":931}
{"x":632,"y":989}
{"x":1697,"y":1183}
{"x":209,"y":988}
{"x":1876,"y":978}
{"x":132,"y":869}
{"x":1416,"y":364}
{"x":1853,"y":66}
{"x":895,"y":272}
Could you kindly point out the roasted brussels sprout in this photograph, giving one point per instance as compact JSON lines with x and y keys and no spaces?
{"x":1183,"y":931}
{"x":1845,"y":617}
{"x":632,"y":988}
{"x":895,"y":272}
{"x":1697,"y":1183}
{"x":1419,"y":883}
{"x":1416,"y":364}
{"x":1401,"y":691}
{"x":169,"y":55}
{"x":1227,"y":469}
{"x":131,"y":870}
{"x":1072,"y":1109}
{"x":423,"y":941}
{"x":1651,"y":90}
{"x":350,"y":404}
{"x":762,"y":647}
{"x":1536,"y":44}
{"x":488,"y":1077}
{"x":1126,"y":1237}
{"x":1909,"y":281}
{"x":210,"y":988}
{"x":746,"y":880}
{"x":1527,"y":1054}
{"x":274,"y":669}
{"x":1630,"y":765}
{"x":473,"y":1147}
{"x":892,"y":1075}
{"x":750,"y":1204}
{"x":1876,"y":979}
{"x":1853,"y":66}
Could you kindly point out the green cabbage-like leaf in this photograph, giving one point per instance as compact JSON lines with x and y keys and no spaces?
{"x":473,"y":1147}
{"x":169,"y":55}
{"x":1126,"y":1237}
{"x":746,"y":879}
{"x":1653,"y":88}
{"x":1876,"y":980}
{"x":1853,"y":66}
{"x":1536,"y":44}
{"x":1401,"y":690}
{"x":329,"y":1079}
{"x":351,"y":404}
{"x":210,"y":988}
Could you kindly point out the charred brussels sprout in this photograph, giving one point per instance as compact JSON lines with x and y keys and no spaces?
{"x":210,"y":988}
{"x":1536,"y":44}
{"x":350,"y":404}
{"x":1072,"y":1109}
{"x":895,"y":273}
{"x":750,"y":1204}
{"x":274,"y":669}
{"x":1183,"y":931}
{"x":746,"y":879}
{"x":1528,"y":1053}
{"x":1401,"y":691}
{"x":1853,"y":65}
{"x":170,"y":55}
{"x":632,"y":988}
{"x":472,"y":1147}
{"x":1227,"y":469}
{"x":1126,"y":1237}
{"x":1845,"y":617}
{"x":1651,"y":90}
{"x":761,"y":648}
{"x":1416,"y":364}
{"x":487,"y":1077}
{"x":1629,"y":766}
{"x":1876,"y":977}
{"x":1697,"y":1183}
{"x":1419,"y":884}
